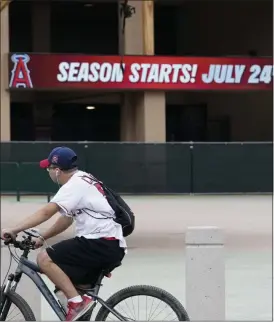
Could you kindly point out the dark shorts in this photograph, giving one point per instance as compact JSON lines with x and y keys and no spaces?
{"x":83,"y":259}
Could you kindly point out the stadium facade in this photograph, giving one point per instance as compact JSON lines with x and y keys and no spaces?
{"x":177,"y":71}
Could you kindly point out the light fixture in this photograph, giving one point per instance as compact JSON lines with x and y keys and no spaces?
{"x":90,"y":107}
{"x":88,"y":5}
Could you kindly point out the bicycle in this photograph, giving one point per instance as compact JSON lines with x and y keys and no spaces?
{"x":29,"y":268}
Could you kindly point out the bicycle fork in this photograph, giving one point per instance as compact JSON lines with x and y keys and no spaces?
{"x":5,"y":302}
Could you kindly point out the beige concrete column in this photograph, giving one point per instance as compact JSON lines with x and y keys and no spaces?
{"x":132,"y":45}
{"x":151,"y":114}
{"x":143,"y":113}
{"x":128,"y":126}
{"x":5,"y":95}
{"x":150,"y":118}
{"x":134,"y":31}
{"x":145,"y":109}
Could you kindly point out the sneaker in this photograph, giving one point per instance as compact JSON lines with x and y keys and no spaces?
{"x":89,"y":298}
{"x":86,"y":297}
{"x":76,"y":310}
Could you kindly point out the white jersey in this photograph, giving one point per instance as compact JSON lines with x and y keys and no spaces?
{"x":83,"y":200}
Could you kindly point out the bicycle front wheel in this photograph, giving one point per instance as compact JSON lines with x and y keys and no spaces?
{"x":15,"y":308}
{"x":157,"y":304}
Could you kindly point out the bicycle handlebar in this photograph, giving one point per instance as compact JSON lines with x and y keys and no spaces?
{"x":25,"y":244}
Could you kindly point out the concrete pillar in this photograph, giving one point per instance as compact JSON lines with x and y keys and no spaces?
{"x":147,"y":109}
{"x":128,"y":126}
{"x":151,"y":117}
{"x":131,"y":43}
{"x":205,"y":274}
{"x":5,"y":96}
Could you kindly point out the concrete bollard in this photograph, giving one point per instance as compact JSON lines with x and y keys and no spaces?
{"x":205,"y":273}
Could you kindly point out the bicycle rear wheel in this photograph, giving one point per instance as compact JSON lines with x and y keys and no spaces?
{"x":18,"y":302}
{"x":155,"y":293}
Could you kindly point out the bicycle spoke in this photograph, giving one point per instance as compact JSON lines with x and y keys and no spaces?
{"x":169,"y":315}
{"x":156,"y":311}
{"x":151,"y":309}
{"x":14,"y":317}
{"x":127,"y":306}
{"x":146,"y":306}
{"x":133,"y":307}
{"x":138,"y":308}
{"x":162,"y":311}
{"x":11,"y":311}
{"x":120,"y":309}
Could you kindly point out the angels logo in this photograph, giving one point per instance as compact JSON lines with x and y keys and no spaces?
{"x":20,"y":75}
{"x":54,"y":159}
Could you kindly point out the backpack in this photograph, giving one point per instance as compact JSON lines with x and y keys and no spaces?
{"x":124,"y":215}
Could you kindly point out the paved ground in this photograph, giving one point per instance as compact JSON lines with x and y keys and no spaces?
{"x":156,"y":255}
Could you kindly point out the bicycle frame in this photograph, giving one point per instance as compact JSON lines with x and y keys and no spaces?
{"x":33,"y":272}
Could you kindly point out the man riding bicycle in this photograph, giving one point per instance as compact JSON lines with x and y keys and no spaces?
{"x":99,"y":240}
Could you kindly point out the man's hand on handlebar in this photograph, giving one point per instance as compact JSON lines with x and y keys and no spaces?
{"x":27,"y":243}
{"x":38,"y":242}
{"x":8,"y":234}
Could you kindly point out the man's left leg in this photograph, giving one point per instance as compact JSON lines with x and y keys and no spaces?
{"x":60,"y":263}
{"x":56,"y":275}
